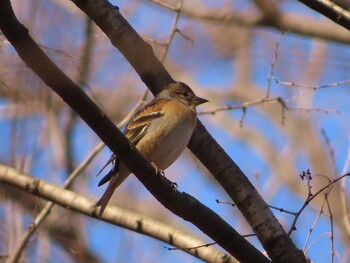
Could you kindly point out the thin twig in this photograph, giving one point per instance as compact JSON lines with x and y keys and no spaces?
{"x":283,"y":210}
{"x":311,"y":196}
{"x":343,"y":198}
{"x":167,"y":44}
{"x":313,"y":227}
{"x":191,"y":248}
{"x":278,"y":99}
{"x":21,"y":244}
{"x":273,"y":64}
{"x":174,"y":29}
{"x":332,"y":228}
{"x":293,"y":84}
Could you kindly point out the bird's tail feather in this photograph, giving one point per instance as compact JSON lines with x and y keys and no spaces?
{"x":112,"y":159}
{"x":114,"y":183}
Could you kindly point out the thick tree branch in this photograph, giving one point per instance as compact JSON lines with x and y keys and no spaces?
{"x":113,"y":215}
{"x":278,"y":245}
{"x":181,"y":204}
{"x":330,"y":10}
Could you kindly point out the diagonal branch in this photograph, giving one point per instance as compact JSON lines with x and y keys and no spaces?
{"x":278,"y":245}
{"x":180,"y":204}
{"x":330,"y":10}
{"x":114,"y":215}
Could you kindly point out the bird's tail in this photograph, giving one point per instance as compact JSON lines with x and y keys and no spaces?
{"x":113,"y":184}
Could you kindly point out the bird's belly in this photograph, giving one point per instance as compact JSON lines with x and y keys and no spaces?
{"x":170,"y":143}
{"x":171,"y":147}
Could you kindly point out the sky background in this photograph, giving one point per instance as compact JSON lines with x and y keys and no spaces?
{"x":209,"y":63}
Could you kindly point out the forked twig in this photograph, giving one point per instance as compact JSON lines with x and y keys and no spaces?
{"x":293,"y":84}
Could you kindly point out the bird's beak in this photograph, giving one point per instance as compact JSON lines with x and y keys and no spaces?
{"x":198,"y":100}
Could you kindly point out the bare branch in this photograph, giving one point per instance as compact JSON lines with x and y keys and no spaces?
{"x":292,"y":84}
{"x":277,"y":99}
{"x":291,"y":23}
{"x":330,"y":10}
{"x":22,"y":243}
{"x":140,"y":56}
{"x":343,"y":198}
{"x":312,"y":196}
{"x":113,"y":215}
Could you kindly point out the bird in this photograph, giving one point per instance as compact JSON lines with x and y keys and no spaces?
{"x":160,"y":131}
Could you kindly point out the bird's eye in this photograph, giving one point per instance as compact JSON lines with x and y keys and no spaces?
{"x":182,"y":93}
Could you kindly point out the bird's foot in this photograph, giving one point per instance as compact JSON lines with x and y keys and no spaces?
{"x":173,"y":185}
{"x":158,"y":171}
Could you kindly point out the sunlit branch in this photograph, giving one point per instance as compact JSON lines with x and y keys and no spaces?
{"x":343,"y":197}
{"x":293,"y":84}
{"x":22,"y":242}
{"x":332,"y":227}
{"x":113,"y":215}
{"x":319,"y":214}
{"x":311,"y":195}
{"x":277,"y":99}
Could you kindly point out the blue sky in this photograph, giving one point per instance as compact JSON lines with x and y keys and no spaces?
{"x":212,"y":73}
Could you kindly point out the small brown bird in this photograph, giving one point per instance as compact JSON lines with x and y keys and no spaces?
{"x":160,"y":130}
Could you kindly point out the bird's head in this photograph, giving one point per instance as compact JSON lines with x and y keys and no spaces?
{"x":181,"y":92}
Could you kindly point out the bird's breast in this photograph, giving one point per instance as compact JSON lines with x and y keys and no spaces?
{"x":169,"y":135}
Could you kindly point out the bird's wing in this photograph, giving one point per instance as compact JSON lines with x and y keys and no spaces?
{"x":141,"y":121}
{"x":112,"y":159}
{"x":134,"y":131}
{"x":112,"y":172}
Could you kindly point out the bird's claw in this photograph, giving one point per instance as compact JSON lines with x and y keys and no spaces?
{"x":173,"y":185}
{"x":158,"y":171}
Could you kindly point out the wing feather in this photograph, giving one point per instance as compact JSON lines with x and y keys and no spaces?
{"x":135,"y":130}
